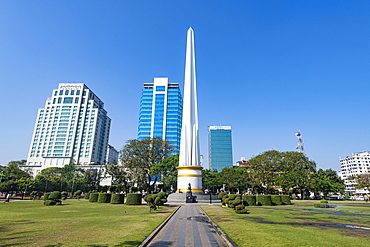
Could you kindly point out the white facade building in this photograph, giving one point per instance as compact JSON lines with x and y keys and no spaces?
{"x":358,"y":163}
{"x":112,"y":155}
{"x":72,"y":128}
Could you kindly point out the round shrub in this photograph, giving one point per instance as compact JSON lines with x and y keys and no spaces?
{"x":240,"y":207}
{"x":133,"y":199}
{"x":49,"y":202}
{"x":46,"y":196}
{"x":104,"y":197}
{"x":55,"y":195}
{"x":264,"y":200}
{"x":221,"y":195}
{"x":117,"y":199}
{"x":87,"y":195}
{"x":286,"y":199}
{"x":93,"y":197}
{"x":276,"y":200}
{"x":249,"y":200}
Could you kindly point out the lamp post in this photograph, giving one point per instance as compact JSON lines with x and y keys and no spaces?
{"x":210,"y":197}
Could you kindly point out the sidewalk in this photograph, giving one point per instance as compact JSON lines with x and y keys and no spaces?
{"x":189,"y":226}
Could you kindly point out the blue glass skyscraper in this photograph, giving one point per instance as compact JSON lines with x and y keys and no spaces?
{"x":220,"y":148}
{"x":161,"y":112}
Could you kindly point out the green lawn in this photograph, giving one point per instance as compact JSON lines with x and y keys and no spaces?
{"x":77,"y":223}
{"x":296,"y":225}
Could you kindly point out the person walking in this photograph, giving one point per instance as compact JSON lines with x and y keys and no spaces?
{"x":7,"y":198}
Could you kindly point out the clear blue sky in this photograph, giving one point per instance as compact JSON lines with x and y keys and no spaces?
{"x":267,"y":68}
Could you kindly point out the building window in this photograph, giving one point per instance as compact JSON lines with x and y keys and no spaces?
{"x":59,"y":100}
{"x":68,"y":100}
{"x":61,"y":92}
{"x":78,"y":92}
{"x":160,"y":88}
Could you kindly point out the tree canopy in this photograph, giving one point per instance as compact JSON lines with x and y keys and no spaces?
{"x":143,"y":160}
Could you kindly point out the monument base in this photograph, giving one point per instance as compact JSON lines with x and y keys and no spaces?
{"x":189,"y":175}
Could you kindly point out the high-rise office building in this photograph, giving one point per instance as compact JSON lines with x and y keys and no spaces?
{"x":161,"y":112}
{"x":72,"y":128}
{"x":220,"y":148}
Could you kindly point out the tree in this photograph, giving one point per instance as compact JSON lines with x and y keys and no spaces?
{"x":297,"y":172}
{"x":264,"y":169}
{"x":143,"y":159}
{"x":168,"y":172}
{"x":10,"y":174}
{"x":362,"y":181}
{"x":211,"y":180}
{"x":235,"y":178}
{"x":119,"y":174}
{"x":327,"y":181}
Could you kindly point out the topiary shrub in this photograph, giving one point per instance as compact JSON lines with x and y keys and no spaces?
{"x":93,"y":197}
{"x":232,"y":196}
{"x":264,"y":200}
{"x":225,"y":199}
{"x":133,"y":199}
{"x":77,"y":194}
{"x":104,"y":197}
{"x":240,"y":209}
{"x":221,"y":195}
{"x":87,"y":195}
{"x":49,"y":202}
{"x":233,"y":203}
{"x":55,"y":195}
{"x":46,"y":196}
{"x":324,"y":201}
{"x":249,"y":200}
{"x":276,"y":200}
{"x":64,"y":195}
{"x":155,"y":200}
{"x":117,"y":199}
{"x":286,"y":199}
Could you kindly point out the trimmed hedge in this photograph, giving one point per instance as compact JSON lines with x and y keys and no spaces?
{"x":249,"y":200}
{"x":104,"y":197}
{"x":117,"y":199}
{"x":286,"y":199}
{"x":133,"y":199}
{"x":93,"y":197}
{"x":87,"y":195}
{"x":264,"y":200}
{"x":46,"y":196}
{"x":276,"y":200}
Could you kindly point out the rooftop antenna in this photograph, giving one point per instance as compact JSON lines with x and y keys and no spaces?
{"x":300,"y":143}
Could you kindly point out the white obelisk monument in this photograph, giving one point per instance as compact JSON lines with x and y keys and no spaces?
{"x":189,"y":169}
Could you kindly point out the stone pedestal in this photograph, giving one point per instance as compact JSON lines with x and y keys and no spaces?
{"x":192,"y":175}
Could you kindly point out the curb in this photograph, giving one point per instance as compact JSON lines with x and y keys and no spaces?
{"x":155,"y":232}
{"x":229,"y":242}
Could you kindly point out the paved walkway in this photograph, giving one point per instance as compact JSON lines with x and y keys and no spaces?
{"x":188,"y":227}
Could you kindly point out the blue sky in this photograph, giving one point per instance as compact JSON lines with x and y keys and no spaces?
{"x":267,"y":68}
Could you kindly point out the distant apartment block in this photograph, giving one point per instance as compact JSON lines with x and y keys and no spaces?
{"x":161,"y":112}
{"x":358,"y":163}
{"x":220,"y":149}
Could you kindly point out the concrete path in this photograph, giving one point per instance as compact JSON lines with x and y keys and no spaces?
{"x":189,"y":226}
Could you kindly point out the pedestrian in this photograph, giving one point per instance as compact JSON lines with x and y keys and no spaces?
{"x":7,"y":198}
